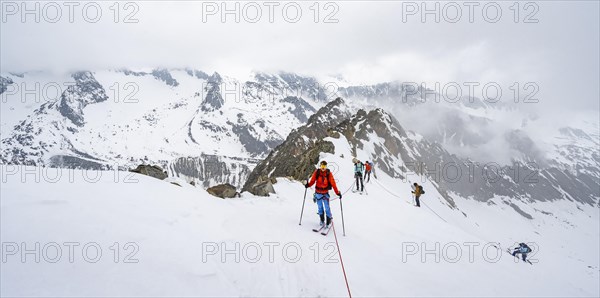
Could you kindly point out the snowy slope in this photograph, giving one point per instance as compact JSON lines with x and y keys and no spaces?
{"x":168,"y":229}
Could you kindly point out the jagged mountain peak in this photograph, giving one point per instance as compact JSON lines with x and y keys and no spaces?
{"x":300,"y":150}
{"x":215,"y":78}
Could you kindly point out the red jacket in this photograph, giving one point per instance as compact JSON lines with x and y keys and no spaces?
{"x":323,"y":182}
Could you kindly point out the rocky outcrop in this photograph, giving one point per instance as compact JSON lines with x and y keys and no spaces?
{"x":223,"y":191}
{"x":212,"y":169}
{"x":263,"y":186}
{"x":85,"y":91}
{"x":213,"y":99}
{"x":4,"y":82}
{"x":164,"y":75}
{"x":296,"y":156}
{"x":152,"y":171}
{"x":197,"y":73}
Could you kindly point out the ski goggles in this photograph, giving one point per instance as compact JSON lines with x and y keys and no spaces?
{"x":323,"y":166}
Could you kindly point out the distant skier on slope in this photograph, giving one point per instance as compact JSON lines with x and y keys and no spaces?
{"x":417,"y":192}
{"x":359,"y":167}
{"x":368,"y":167}
{"x":522,"y":249}
{"x":324,"y":182}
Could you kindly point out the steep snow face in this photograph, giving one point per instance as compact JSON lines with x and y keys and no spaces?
{"x":159,"y":239}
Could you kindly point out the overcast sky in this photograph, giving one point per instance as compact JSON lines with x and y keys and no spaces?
{"x":369,"y":43}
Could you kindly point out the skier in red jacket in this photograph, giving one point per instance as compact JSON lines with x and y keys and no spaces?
{"x":368,"y":167}
{"x":324,"y":182}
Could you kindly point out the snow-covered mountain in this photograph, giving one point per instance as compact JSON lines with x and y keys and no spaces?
{"x":265,"y":139}
{"x":378,"y":137}
{"x":117,"y":119}
{"x":178,"y":117}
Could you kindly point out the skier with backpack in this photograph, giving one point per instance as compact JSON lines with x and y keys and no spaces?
{"x":324,"y":182}
{"x":359,"y":167}
{"x":417,"y":192}
{"x":368,"y":167}
{"x":522,"y":249}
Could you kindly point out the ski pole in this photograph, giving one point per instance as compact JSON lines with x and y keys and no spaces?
{"x":342,"y":212}
{"x":302,"y":212}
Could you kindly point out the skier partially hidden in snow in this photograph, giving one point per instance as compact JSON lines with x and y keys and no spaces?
{"x":522,"y":249}
{"x":417,"y":192}
{"x":324,"y":182}
{"x":359,"y":167}
{"x":368,"y":167}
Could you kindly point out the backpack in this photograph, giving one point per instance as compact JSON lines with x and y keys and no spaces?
{"x":359,"y":167}
{"x":422,"y":190}
{"x":329,"y":187}
{"x":525,"y":248}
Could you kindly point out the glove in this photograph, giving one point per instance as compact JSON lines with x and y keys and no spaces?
{"x":339,"y":195}
{"x":306,"y":185}
{"x":314,"y":200}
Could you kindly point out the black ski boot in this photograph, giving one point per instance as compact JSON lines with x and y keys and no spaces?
{"x":328,"y":222}
{"x":322,"y":216}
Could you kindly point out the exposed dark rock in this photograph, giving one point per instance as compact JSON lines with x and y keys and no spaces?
{"x":197,"y":73}
{"x":4,"y":82}
{"x":85,"y":91}
{"x":73,"y":162}
{"x":212,"y":169}
{"x":223,"y":191}
{"x":213,"y":99}
{"x":296,"y":156}
{"x":152,"y":171}
{"x":164,"y":75}
{"x":263,"y":187}
{"x":520,"y":211}
{"x":128,"y":72}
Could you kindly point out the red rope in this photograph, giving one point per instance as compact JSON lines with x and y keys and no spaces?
{"x":341,"y":261}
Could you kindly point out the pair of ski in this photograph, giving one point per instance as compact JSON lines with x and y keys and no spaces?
{"x":324,"y":230}
{"x":508,"y":251}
